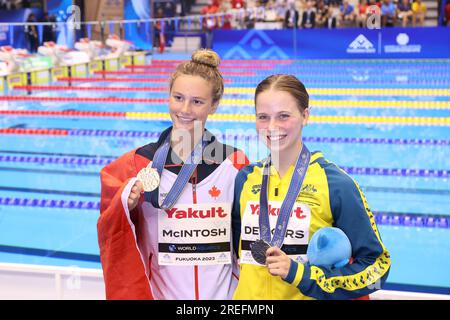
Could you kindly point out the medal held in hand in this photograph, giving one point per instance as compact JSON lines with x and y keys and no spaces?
{"x":183,"y":176}
{"x":149,"y":177}
{"x":258,"y":250}
{"x":260,"y":246}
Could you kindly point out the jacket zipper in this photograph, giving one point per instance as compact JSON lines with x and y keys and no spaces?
{"x":194,"y":200}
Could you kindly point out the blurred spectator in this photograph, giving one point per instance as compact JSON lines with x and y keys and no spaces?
{"x":361,"y":13}
{"x":330,"y":2}
{"x":419,"y":10}
{"x":404,"y":11}
{"x":224,"y":21}
{"x":243,"y":20}
{"x":31,"y":34}
{"x":388,"y":14}
{"x":374,"y":7}
{"x":447,"y":13}
{"x":315,"y":13}
{"x":49,"y":32}
{"x":375,"y":3}
{"x":291,"y":17}
{"x":210,"y":22}
{"x":333,"y":15}
{"x":373,"y":15}
{"x":270,"y":11}
{"x":186,"y":6}
{"x":309,"y":16}
{"x":160,"y":39}
{"x":7,"y":5}
{"x":237,"y":4}
{"x":249,"y":19}
{"x":347,"y":14}
{"x":211,"y":7}
{"x":321,"y":14}
{"x":276,"y":10}
{"x":280,"y":8}
{"x":260,"y":11}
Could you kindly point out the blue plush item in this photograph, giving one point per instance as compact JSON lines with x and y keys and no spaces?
{"x":329,"y":247}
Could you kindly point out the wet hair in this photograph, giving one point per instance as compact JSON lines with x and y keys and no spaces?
{"x":204,"y":63}
{"x":287,"y":83}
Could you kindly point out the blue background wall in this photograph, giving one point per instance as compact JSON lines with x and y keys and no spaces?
{"x":15,"y":35}
{"x":334,"y":43}
{"x":140,"y":34}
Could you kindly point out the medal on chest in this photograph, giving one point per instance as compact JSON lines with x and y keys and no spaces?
{"x":259,"y":248}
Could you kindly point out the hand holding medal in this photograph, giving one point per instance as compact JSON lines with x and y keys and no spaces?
{"x":149,"y":177}
{"x":278,"y":263}
{"x":259,"y":250}
{"x":135,"y":194}
{"x":148,"y":180}
{"x":266,"y":250}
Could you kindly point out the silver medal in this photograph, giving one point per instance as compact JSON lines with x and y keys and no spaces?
{"x":258,"y":250}
{"x":149,"y":177}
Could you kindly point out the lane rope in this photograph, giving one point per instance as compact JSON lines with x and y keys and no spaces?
{"x":155,"y":134}
{"x":382,"y":218}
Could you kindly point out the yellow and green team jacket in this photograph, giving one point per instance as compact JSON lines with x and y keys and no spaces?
{"x":329,"y":197}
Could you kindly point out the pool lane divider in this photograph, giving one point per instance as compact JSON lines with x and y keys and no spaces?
{"x":105,"y":79}
{"x":251,"y":91}
{"x":50,"y":253}
{"x":92,"y":88}
{"x":50,"y":203}
{"x":102,"y":161}
{"x":412,"y":220}
{"x":305,"y":74}
{"x":64,"y":113}
{"x":167,"y":73}
{"x":232,"y":62}
{"x":33,"y":131}
{"x":221,"y":67}
{"x":79,"y":161}
{"x":155,"y":134}
{"x":48,"y":191}
{"x":252,"y":83}
{"x":164,"y":116}
{"x":382,"y":218}
{"x":247,"y":103}
{"x":239,"y":81}
{"x":348,"y":104}
{"x":381,"y":120}
{"x":85,"y":99}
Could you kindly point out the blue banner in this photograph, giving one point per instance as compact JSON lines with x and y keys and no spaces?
{"x":15,"y":35}
{"x":385,"y":43}
{"x":111,"y":28}
{"x":140,"y":35}
{"x":5,"y":37}
{"x":40,"y":30}
{"x":89,"y":30}
{"x":416,"y":43}
{"x":254,"y":44}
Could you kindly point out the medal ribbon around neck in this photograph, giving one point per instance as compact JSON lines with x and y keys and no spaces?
{"x":295,"y":186}
{"x":183,"y":177}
